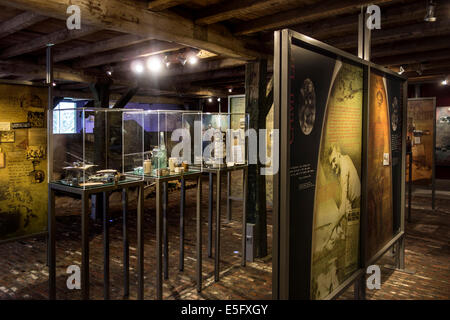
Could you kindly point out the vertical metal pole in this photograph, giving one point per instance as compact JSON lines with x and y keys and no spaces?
{"x":51,"y":248}
{"x":51,"y":245}
{"x":126,"y":244}
{"x":228,"y":197}
{"x":165,"y":232}
{"x":158,"y":242}
{"x":210,"y":209}
{"x":85,"y":246}
{"x":217,"y":251}
{"x":244,"y":219}
{"x":106,"y":245}
{"x":199,"y":234}
{"x":182,"y":206}
{"x":364,"y":36}
{"x":140,"y":241}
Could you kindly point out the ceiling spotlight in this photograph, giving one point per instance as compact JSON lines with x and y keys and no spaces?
{"x":182,"y":60}
{"x":209,"y":100}
{"x":401,"y":70}
{"x":193,"y":60}
{"x":444,"y":82}
{"x":429,"y":17}
{"x":137,"y":67}
{"x":154,"y":64}
{"x":230,"y":90}
{"x":218,"y":99}
{"x":54,"y":84}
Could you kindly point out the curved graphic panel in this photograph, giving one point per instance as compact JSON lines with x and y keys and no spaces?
{"x":335,"y":246}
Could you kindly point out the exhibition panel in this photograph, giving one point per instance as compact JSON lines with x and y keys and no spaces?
{"x":342,"y":147}
{"x":421,"y":133}
{"x":23,"y":161}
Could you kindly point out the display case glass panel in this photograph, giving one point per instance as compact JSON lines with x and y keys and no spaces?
{"x":104,"y":147}
{"x":224,"y":139}
{"x":169,"y":143}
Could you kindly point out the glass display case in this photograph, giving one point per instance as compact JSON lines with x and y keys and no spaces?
{"x":170,"y":143}
{"x":224,"y":139}
{"x":103,"y":147}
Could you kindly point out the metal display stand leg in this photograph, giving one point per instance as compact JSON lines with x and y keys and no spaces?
{"x":409,"y":187}
{"x":165,"y":232}
{"x":229,"y":197}
{"x":106,"y":245}
{"x":85,"y":246}
{"x":199,"y":234}
{"x":126,"y":245}
{"x":244,"y":219}
{"x":140,"y":241}
{"x":158,"y":242}
{"x":217,"y":244}
{"x":51,"y":255}
{"x":210,"y":215}
{"x":182,"y":207}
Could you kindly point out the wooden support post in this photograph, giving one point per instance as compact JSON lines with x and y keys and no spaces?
{"x":255,"y":88}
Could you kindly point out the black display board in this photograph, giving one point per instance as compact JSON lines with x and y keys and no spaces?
{"x":322,"y":98}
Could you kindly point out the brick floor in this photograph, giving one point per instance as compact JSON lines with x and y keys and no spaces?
{"x":23,"y":271}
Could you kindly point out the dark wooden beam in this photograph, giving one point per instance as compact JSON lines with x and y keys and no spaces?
{"x":255,"y":95}
{"x":98,"y":47}
{"x":126,"y":97}
{"x":412,"y":58}
{"x":155,"y":47}
{"x":411,"y":46}
{"x":159,"y":5}
{"x":229,"y":9}
{"x":392,"y":16}
{"x":388,"y":35}
{"x":36,"y":71}
{"x":20,"y":22}
{"x":41,"y":42}
{"x":129,"y":17}
{"x":319,"y":10}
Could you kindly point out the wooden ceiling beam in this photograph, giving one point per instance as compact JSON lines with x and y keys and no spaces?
{"x":159,"y":5}
{"x":393,"y":15}
{"x":313,"y":12}
{"x":409,"y":58}
{"x":36,"y":71}
{"x":98,"y":47}
{"x":20,"y":22}
{"x":131,"y":18}
{"x":411,"y":46}
{"x":229,"y":9}
{"x":156,"y":47}
{"x":407,"y":32}
{"x":42,"y":41}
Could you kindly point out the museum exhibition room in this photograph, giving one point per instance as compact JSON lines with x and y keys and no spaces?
{"x":207,"y":151}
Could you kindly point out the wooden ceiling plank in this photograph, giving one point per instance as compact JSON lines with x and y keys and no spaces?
{"x":292,"y":17}
{"x":121,"y":56}
{"x":42,"y":41}
{"x":20,"y":22}
{"x":133,"y":19}
{"x":159,"y":5}
{"x":102,"y":46}
{"x":229,"y":9}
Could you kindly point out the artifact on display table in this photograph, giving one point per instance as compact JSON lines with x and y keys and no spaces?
{"x":102,"y":149}
{"x":169,"y":143}
{"x":224,"y":139}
